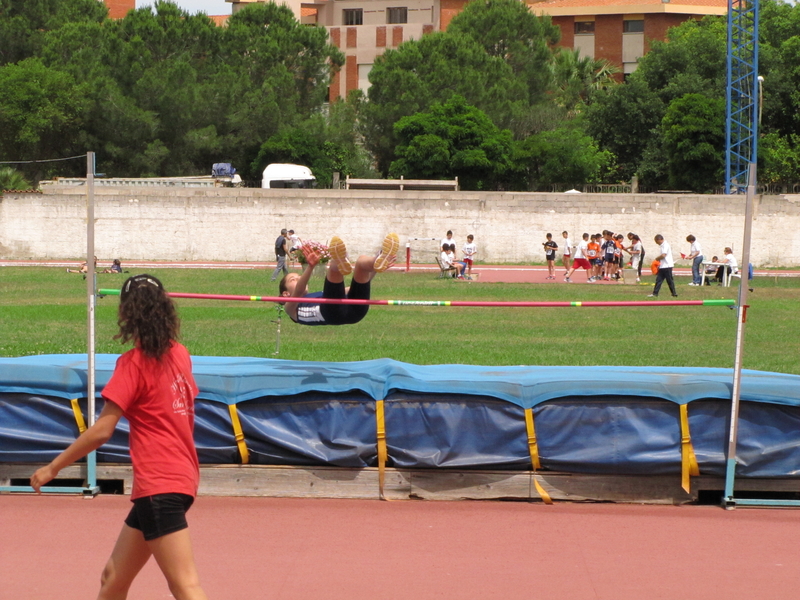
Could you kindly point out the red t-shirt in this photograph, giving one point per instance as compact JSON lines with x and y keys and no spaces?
{"x":157,"y":398}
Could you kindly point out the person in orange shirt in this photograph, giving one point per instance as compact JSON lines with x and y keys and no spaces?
{"x":593,"y":254}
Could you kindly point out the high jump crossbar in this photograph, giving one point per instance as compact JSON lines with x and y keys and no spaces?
{"x":305,"y":300}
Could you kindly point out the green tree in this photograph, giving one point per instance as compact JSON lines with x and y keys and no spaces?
{"x":622,"y":119}
{"x":452,"y":140}
{"x":11,"y":179}
{"x":578,"y":78}
{"x":507,"y":29}
{"x":324,"y":143}
{"x":24,"y":24}
{"x":41,"y":114}
{"x":431,"y":70}
{"x":692,"y":60}
{"x":693,"y":133}
{"x":566,"y":155}
{"x":780,"y":158}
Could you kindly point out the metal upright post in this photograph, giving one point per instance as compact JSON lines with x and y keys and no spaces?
{"x":91,"y":459}
{"x":730,"y":474}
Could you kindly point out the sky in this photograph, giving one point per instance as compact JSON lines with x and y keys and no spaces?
{"x":210,"y":7}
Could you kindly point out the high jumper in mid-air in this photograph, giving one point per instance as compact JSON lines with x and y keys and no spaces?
{"x":295,"y":285}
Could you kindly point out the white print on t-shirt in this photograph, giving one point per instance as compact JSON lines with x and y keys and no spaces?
{"x":181,"y":396}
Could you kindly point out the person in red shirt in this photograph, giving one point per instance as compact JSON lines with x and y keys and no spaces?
{"x":152,"y":386}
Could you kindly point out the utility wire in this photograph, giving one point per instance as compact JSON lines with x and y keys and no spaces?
{"x":44,"y":160}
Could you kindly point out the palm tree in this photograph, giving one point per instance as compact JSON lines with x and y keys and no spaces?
{"x":578,"y":77}
{"x":11,"y":179}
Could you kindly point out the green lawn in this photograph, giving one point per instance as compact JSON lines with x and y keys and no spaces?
{"x":43,"y":311}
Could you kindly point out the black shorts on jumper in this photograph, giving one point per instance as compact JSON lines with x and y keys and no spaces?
{"x":345,"y":314}
{"x":159,"y":515}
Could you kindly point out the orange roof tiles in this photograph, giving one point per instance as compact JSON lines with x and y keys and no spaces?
{"x":219,"y":20}
{"x":624,"y":4}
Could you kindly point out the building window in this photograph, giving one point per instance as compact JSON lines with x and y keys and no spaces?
{"x":584,"y":27}
{"x":353,"y":16}
{"x":397,"y":15}
{"x":636,"y":26}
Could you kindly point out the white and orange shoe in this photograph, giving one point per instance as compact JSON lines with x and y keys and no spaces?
{"x":338,"y":252}
{"x":389,"y":249}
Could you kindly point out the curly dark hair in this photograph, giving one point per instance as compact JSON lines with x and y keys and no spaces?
{"x":147,"y":315}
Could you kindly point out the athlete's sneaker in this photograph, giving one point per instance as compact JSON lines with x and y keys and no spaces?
{"x":389,"y":248}
{"x":338,"y":252}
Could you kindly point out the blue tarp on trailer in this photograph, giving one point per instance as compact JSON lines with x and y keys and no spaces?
{"x":611,"y":420}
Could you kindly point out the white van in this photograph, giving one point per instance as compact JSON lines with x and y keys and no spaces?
{"x":278,"y":175}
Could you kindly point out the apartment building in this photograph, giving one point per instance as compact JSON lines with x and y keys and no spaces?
{"x":618,"y":31}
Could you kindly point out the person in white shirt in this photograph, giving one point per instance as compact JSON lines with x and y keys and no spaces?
{"x":636,"y":250}
{"x":469,"y":250}
{"x":696,"y":256}
{"x":448,"y":259}
{"x":731,"y":266}
{"x":449,"y":239}
{"x":580,"y":259}
{"x":567,"y":256}
{"x":665,"y":265}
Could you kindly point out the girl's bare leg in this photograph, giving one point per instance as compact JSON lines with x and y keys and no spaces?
{"x":130,"y":554}
{"x":364,"y":269}
{"x":173,"y":553}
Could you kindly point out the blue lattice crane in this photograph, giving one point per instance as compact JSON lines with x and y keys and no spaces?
{"x":741,"y":127}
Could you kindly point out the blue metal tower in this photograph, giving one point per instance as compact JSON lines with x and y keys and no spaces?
{"x":741,"y":127}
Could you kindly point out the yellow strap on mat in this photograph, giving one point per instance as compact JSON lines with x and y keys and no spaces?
{"x":382,"y":452}
{"x":76,"y":410}
{"x":689,"y":464}
{"x":534,"y":450}
{"x":239,"y":434}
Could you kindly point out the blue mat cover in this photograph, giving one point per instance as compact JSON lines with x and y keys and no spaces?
{"x":611,"y":420}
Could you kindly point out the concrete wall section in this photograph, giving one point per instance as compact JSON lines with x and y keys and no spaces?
{"x":242,"y":224}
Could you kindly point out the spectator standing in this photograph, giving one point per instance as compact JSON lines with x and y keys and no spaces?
{"x":567,"y":255}
{"x":580,"y":259}
{"x":550,"y":248}
{"x":696,"y":256}
{"x":666,"y":263}
{"x":469,"y":251}
{"x":448,"y":239}
{"x":281,"y":250}
{"x":294,"y":241}
{"x":636,"y":250}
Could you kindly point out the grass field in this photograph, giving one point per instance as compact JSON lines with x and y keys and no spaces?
{"x":43,"y":312}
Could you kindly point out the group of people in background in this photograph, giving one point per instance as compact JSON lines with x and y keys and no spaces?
{"x":461,"y":269}
{"x":287,"y":245}
{"x":600,"y":255}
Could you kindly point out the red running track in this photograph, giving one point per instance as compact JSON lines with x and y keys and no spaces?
{"x":293,"y":549}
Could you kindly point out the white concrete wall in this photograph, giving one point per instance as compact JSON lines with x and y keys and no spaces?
{"x":242,"y":224}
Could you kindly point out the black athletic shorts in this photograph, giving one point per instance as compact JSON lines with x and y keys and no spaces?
{"x":156,"y":516}
{"x":345,"y":314}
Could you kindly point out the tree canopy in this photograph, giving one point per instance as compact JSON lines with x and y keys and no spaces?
{"x":493,"y":100}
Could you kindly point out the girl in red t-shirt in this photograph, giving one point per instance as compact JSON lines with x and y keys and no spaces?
{"x":152,"y":386}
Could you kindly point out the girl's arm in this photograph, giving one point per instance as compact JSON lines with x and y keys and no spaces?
{"x":312,"y":260}
{"x":91,"y":439}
